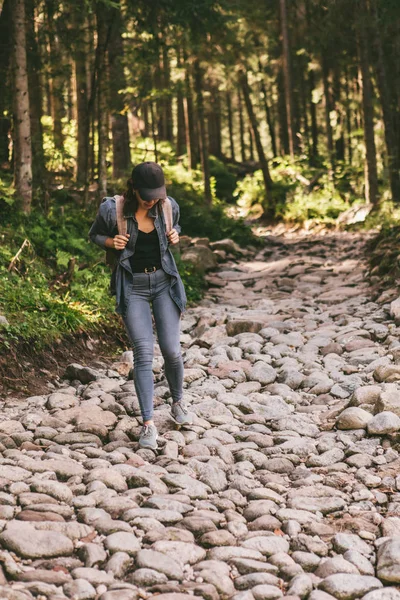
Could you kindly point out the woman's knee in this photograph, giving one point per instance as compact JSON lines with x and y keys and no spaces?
{"x":171,"y":354}
{"x":143,"y":352}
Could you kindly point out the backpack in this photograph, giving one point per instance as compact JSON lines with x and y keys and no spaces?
{"x":112,"y":254}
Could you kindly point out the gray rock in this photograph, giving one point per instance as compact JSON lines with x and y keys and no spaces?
{"x":60,"y":491}
{"x":93,"y":576}
{"x":300,"y":586}
{"x":28,"y":542}
{"x":7,"y":593}
{"x":323,"y":505}
{"x":347,"y":587}
{"x":353,"y":418}
{"x":307,"y":560}
{"x":80,"y":589}
{"x":121,"y":594}
{"x":267,"y":545}
{"x":246,"y":582}
{"x":92,"y":554}
{"x":82,"y":374}
{"x":147,"y":577}
{"x":395,"y":310}
{"x":150,"y":559}
{"x":326,"y":458}
{"x":266,"y":592}
{"x":181,"y":551}
{"x":349,"y":541}
{"x":262,"y":372}
{"x":388,"y":566}
{"x":389,"y":593}
{"x":201,"y":257}
{"x":334,"y":565}
{"x":384,"y":423}
{"x":360,"y":561}
{"x":118,"y":564}
{"x":122,"y":542}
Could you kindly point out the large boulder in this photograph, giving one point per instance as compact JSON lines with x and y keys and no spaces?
{"x":201,"y":257}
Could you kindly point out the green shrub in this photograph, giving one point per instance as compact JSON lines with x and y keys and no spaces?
{"x":225,"y":179}
{"x":293,"y":201}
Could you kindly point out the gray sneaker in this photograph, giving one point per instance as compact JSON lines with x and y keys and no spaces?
{"x":180,"y":414}
{"x":148,"y":437}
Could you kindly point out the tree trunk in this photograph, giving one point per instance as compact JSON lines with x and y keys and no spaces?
{"x":371,"y":172}
{"x":348,"y":119}
{"x":181,"y":130}
{"x":230,"y":125}
{"x":56,"y":77}
{"x":393,"y":162}
{"x":35,"y":99}
{"x":287,"y":72}
{"x":5,"y":96}
{"x":169,"y":121}
{"x":313,"y":112}
{"x":153,"y":130}
{"x":181,"y":125}
{"x":214,"y":124}
{"x":80,"y":21}
{"x":192,"y":141}
{"x":269,"y":208}
{"x":267,"y":110}
{"x":198,"y":79}
{"x":22,"y":125}
{"x":328,"y":108}
{"x":119,"y":119}
{"x":251,"y":145}
{"x":282,"y":119}
{"x":339,"y":138}
{"x":104,"y":24}
{"x":144,"y":111}
{"x":241,"y":128}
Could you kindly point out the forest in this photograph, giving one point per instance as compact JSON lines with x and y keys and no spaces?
{"x":260,"y":112}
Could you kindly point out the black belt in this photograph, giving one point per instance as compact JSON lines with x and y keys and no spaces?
{"x":148,"y":270}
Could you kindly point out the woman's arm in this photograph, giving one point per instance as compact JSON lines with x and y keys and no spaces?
{"x":101,"y":232}
{"x":175,"y":215}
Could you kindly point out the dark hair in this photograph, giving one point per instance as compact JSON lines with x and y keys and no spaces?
{"x":131,"y":203}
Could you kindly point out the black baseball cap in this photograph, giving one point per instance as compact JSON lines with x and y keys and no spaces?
{"x":148,"y":180}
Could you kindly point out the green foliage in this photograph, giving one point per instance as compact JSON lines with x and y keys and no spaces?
{"x":295,"y":202}
{"x":193,"y":281}
{"x":225,"y":179}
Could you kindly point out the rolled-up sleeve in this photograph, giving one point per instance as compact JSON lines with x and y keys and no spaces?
{"x":102,"y":227}
{"x":175,"y":215}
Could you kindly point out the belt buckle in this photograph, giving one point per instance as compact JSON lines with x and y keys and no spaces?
{"x":152,"y":270}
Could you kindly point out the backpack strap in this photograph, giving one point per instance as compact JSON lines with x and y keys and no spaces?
{"x":167,"y":212}
{"x":121,"y":220}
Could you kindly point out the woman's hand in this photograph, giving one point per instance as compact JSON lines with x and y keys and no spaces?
{"x":120,"y":241}
{"x":173,"y":237}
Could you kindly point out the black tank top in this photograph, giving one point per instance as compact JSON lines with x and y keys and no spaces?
{"x":147,"y":252}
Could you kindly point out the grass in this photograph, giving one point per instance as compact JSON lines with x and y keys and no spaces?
{"x":40,"y":304}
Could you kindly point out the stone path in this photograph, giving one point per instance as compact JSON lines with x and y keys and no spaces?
{"x":287,"y":485}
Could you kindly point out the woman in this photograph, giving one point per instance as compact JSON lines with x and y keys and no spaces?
{"x":146,"y":274}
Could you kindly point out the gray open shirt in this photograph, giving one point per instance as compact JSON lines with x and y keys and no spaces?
{"x":105,"y":225}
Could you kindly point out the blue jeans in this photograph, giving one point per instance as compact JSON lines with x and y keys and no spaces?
{"x":146,"y":289}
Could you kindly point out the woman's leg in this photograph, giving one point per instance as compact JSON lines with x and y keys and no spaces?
{"x":167,"y":318}
{"x":139,"y":327}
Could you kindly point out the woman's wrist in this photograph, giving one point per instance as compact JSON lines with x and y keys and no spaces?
{"x":109,"y":242}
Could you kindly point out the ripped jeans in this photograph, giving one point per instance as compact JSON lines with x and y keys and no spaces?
{"x":147,"y":289}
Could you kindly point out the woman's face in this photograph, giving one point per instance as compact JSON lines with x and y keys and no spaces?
{"x":144,"y":204}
